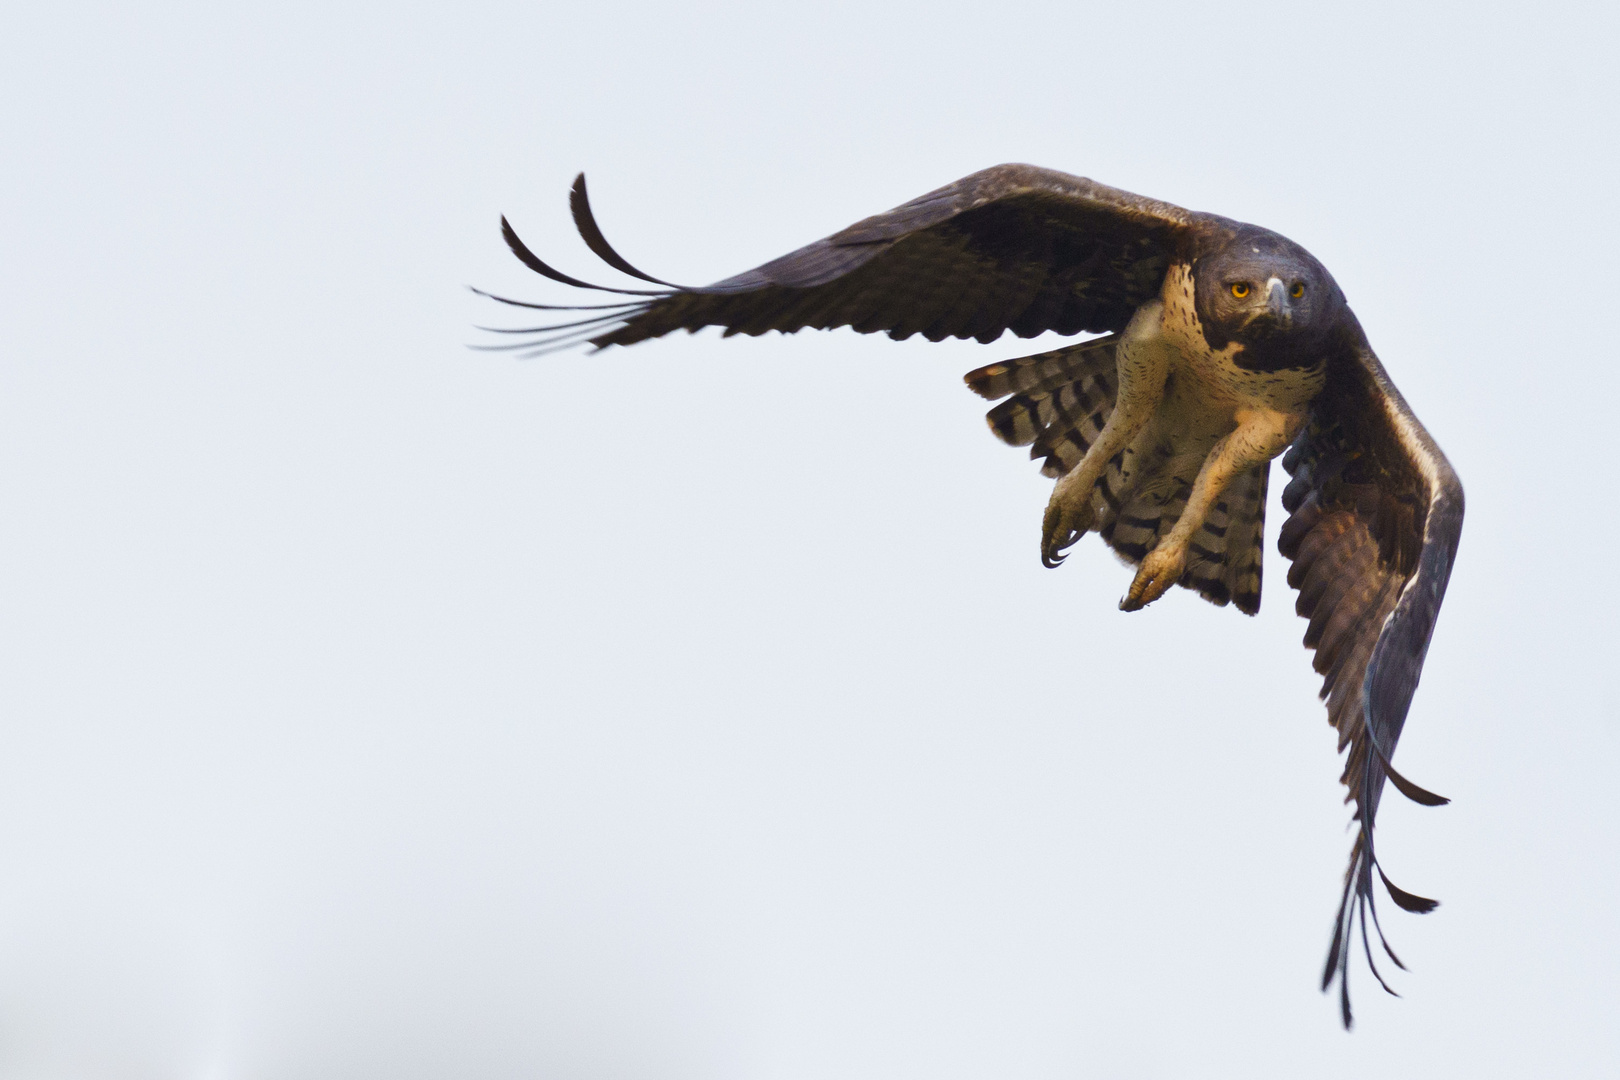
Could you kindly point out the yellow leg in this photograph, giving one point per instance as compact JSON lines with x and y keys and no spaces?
{"x":1143,"y":357}
{"x":1261,"y":435}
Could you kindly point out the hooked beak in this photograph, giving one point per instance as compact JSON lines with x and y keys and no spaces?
{"x":1277,"y":303}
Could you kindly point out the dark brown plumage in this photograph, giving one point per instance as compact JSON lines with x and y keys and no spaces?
{"x":1375,"y":515}
{"x":1015,"y":248}
{"x":1223,"y":343}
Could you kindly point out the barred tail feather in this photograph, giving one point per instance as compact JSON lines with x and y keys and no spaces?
{"x":1045,"y":371}
{"x":1144,"y":493}
{"x":1234,"y":531}
{"x":1056,"y":403}
{"x":1059,"y":401}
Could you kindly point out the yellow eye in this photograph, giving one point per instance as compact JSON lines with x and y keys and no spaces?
{"x":1240,"y":290}
{"x":1298,"y":290}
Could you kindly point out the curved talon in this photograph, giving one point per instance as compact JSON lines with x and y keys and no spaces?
{"x":1062,"y":528}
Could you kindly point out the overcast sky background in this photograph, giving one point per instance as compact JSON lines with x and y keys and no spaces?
{"x":371,"y":707}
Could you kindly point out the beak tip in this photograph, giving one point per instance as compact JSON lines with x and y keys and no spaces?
{"x":1277,"y":303}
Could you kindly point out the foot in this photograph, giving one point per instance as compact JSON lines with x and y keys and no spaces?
{"x":1068,"y":517}
{"x":1160,"y":569}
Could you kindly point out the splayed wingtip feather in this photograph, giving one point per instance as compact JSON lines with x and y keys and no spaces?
{"x":579,"y":204}
{"x":533,"y":262}
{"x":622,"y":305}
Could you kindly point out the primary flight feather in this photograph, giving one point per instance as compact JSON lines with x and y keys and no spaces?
{"x":1224,"y":345}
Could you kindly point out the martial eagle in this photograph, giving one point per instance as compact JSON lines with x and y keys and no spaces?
{"x":1223,"y":345}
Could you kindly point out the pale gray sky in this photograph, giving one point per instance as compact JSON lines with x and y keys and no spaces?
{"x":370,"y":707}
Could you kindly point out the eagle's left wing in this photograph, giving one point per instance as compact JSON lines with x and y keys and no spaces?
{"x":1376,"y":512}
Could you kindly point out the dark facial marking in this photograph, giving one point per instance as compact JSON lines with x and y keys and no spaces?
{"x":1278,"y":327}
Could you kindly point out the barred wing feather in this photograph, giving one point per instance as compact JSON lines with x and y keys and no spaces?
{"x":1013,"y":247}
{"x":1375,"y":515}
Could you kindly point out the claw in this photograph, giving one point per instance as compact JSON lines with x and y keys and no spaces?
{"x":1161,"y":568}
{"x":1067,"y":520}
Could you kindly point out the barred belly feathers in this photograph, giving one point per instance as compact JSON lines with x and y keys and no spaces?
{"x":1217,"y":346}
{"x":1057,"y":404}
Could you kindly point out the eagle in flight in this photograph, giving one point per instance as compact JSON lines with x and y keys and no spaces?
{"x":1222,"y":345}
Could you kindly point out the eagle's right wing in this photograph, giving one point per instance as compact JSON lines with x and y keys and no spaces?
{"x":1375,"y":515}
{"x":1013,"y":247}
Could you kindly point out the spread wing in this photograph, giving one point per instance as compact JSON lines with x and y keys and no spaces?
{"x":1376,"y":512}
{"x":1013,"y":247}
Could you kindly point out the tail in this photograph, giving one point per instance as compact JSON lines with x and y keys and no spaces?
{"x":1059,"y":402}
{"x":1145,"y":492}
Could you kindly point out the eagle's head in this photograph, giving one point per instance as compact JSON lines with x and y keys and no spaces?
{"x":1269,"y":295}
